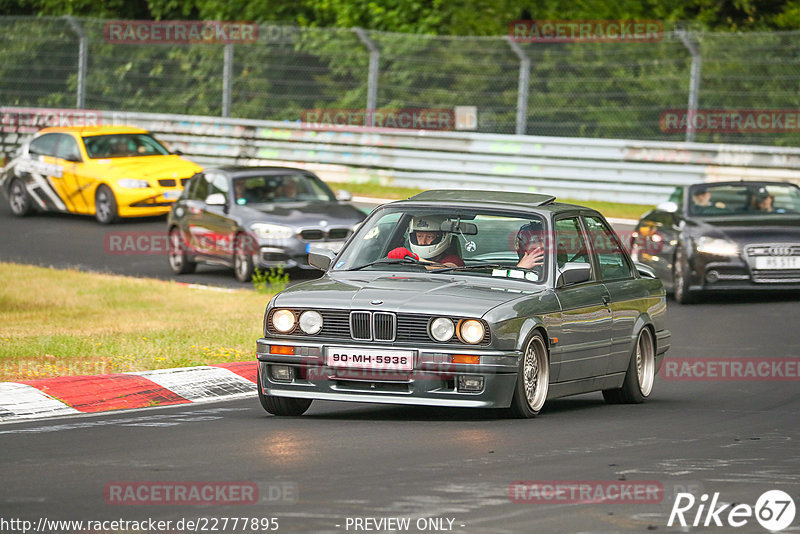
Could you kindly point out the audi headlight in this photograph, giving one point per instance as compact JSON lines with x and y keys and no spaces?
{"x":130,"y":183}
{"x":271,"y":231}
{"x":283,"y":320}
{"x":310,"y":322}
{"x":442,"y":329}
{"x":716,"y":247}
{"x":471,"y":331}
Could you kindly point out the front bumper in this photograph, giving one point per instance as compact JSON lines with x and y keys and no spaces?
{"x":289,"y":254}
{"x":711,"y":273}
{"x":145,"y":202}
{"x":433,"y":381}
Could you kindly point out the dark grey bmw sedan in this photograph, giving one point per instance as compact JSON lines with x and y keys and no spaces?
{"x":478,"y":299}
{"x":248,"y":217}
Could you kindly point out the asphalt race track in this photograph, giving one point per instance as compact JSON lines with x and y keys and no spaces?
{"x":345,"y":465}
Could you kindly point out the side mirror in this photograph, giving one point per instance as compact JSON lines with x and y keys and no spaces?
{"x":320,"y":258}
{"x":574,"y":273}
{"x":669,"y":207}
{"x":74,"y":158}
{"x":343,"y":195}
{"x":177,"y":152}
{"x":645,"y":271}
{"x":215,"y":199}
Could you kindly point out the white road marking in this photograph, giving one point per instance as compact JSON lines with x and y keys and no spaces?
{"x":199,"y":384}
{"x":24,"y":401}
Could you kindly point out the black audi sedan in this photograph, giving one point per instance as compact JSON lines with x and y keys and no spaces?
{"x":248,"y":217}
{"x":723,"y":236}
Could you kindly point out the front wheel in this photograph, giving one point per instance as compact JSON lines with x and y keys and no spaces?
{"x":18,"y":199}
{"x":105,"y":205}
{"x":243,"y":258}
{"x":533,"y":380}
{"x":283,"y":406}
{"x":179,"y":261}
{"x":641,"y":373}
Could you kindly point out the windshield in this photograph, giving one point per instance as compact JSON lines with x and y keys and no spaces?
{"x":743,"y":199}
{"x":456,"y":241}
{"x":123,"y":146}
{"x":280,"y":188}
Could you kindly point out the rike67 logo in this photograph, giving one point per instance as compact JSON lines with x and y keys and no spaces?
{"x":774,"y":510}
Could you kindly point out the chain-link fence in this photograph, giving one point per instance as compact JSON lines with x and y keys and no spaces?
{"x":578,"y":89}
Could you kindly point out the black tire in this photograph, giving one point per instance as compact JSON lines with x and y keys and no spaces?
{"x":243,"y":258}
{"x":681,"y":278}
{"x":641,"y":374}
{"x":18,"y":199}
{"x":281,"y":406}
{"x":533,"y":380}
{"x":179,"y":261}
{"x":105,"y":205}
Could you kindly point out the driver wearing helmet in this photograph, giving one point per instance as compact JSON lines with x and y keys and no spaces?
{"x":429,"y":243}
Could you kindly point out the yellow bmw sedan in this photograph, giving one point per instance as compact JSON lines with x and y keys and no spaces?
{"x":105,"y":171}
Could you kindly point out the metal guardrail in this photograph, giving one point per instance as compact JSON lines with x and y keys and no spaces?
{"x":638,"y":172}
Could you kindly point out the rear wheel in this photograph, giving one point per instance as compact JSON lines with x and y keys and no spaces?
{"x":533,"y":380}
{"x":284,"y":406}
{"x":243,"y":258}
{"x":641,"y":373}
{"x":18,"y":199}
{"x":105,"y":205}
{"x":681,"y":274}
{"x":179,"y":261}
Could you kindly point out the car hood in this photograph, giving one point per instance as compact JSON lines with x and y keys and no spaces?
{"x":455,"y":295}
{"x":147,"y":167}
{"x":302,"y":214}
{"x":753,"y":229}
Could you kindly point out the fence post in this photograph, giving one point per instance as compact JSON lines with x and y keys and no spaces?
{"x":694,"y":81}
{"x":83,"y":57}
{"x":227,"y":80}
{"x":523,"y":86}
{"x":372,"y":77}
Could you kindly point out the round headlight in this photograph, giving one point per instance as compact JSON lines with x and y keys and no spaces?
{"x":471,"y":331}
{"x":283,"y":320}
{"x":310,"y":322}
{"x":442,"y":329}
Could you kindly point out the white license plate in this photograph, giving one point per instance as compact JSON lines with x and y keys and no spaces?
{"x":778,"y":262}
{"x":172,"y":195}
{"x":335,"y":246}
{"x":356,"y":358}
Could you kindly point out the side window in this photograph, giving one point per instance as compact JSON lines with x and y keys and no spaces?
{"x":67,"y":148}
{"x":44,"y":145}
{"x":612,"y":261}
{"x":217,"y":183}
{"x":570,"y":243}
{"x":199,"y":187}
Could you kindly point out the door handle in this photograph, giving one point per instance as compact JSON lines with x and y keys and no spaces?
{"x":606,"y":300}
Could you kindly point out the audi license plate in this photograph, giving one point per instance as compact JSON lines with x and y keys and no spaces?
{"x":391,"y":360}
{"x":778,"y":262}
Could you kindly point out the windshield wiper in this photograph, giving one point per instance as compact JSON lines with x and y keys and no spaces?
{"x":388,"y":261}
{"x":468,"y":267}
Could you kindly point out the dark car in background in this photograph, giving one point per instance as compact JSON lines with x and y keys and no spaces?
{"x":723,"y":236}
{"x":382,"y":325}
{"x":248,"y":217}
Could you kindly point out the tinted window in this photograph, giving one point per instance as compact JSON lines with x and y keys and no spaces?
{"x":44,"y":145}
{"x":612,"y":261}
{"x":259,"y":189}
{"x":123,"y":146}
{"x":570,"y":243}
{"x":67,"y":148}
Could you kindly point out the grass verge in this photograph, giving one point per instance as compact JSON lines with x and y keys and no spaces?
{"x":609,"y":209}
{"x":65,"y":322}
